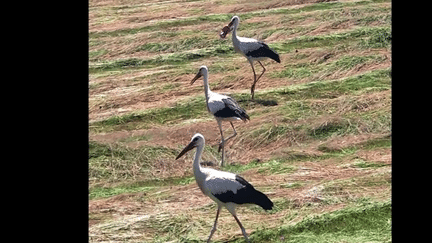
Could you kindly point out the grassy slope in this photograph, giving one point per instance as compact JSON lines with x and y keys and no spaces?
{"x":318,"y":142}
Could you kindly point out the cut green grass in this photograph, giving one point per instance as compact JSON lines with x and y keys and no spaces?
{"x":103,"y":192}
{"x":190,"y":109}
{"x":111,"y":189}
{"x":381,"y":142}
{"x":377,"y":79}
{"x":331,"y":91}
{"x":329,"y":128}
{"x":366,"y":164}
{"x":285,"y":163}
{"x":366,"y":37}
{"x":342,"y":190}
{"x":189,"y":43}
{"x":272,"y":166}
{"x":223,"y":18}
{"x":366,"y":223}
{"x":163,"y":59}
{"x":163,"y":24}
{"x":115,"y":162}
{"x":193,"y":108}
{"x":362,"y":37}
{"x":280,"y":165}
{"x":269,"y":133}
{"x":321,"y":69}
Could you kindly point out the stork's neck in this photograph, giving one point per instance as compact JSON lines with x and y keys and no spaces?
{"x":198,"y":173}
{"x":234,"y":33}
{"x":206,"y":89}
{"x":235,"y":40}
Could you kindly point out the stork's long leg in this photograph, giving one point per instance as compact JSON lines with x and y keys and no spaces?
{"x":222,"y":142}
{"x":214,"y":226}
{"x":255,"y":80}
{"x":221,"y":132}
{"x":226,"y":140}
{"x":262,"y":71}
{"x":235,"y":133}
{"x":241,"y":227}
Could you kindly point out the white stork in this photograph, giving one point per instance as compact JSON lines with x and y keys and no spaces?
{"x":252,"y":49}
{"x":225,"y":188}
{"x":223,"y":108}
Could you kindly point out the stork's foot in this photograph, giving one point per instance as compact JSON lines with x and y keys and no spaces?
{"x":245,"y":235}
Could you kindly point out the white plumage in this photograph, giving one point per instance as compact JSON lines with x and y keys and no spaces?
{"x":226,"y":189}
{"x":215,"y":102}
{"x":219,"y":182}
{"x":252,"y":49}
{"x":223,"y":108}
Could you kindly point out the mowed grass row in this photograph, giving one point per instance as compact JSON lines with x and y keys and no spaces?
{"x":363,"y":38}
{"x":358,"y":14}
{"x":373,"y":81}
{"x":362,"y":223}
{"x":363,"y":218}
{"x":327,"y":11}
{"x":115,"y":169}
{"x":352,"y":48}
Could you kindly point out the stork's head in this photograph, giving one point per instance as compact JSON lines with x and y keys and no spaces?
{"x":196,"y":141}
{"x":230,"y":27}
{"x":235,"y":20}
{"x":201,"y":72}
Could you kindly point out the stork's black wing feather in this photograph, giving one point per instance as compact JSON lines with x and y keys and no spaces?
{"x":264,"y":51}
{"x":246,"y":194}
{"x":232,"y":109}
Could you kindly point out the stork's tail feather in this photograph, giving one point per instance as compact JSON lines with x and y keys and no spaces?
{"x":242,"y":114}
{"x":262,"y":200}
{"x":276,"y":58}
{"x":245,"y":117}
{"x":273,"y":55}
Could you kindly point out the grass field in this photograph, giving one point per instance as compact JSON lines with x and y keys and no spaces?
{"x":319,"y":138}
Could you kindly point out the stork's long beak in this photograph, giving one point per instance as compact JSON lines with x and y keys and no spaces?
{"x":199,"y":75}
{"x":190,"y":146}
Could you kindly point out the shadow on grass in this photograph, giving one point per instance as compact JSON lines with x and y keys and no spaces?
{"x":265,"y":102}
{"x":259,"y":102}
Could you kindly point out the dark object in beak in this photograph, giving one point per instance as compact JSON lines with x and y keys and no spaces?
{"x":226,"y":29}
{"x":230,"y":25}
{"x":224,"y":32}
{"x":190,"y":146}
{"x":199,"y":75}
